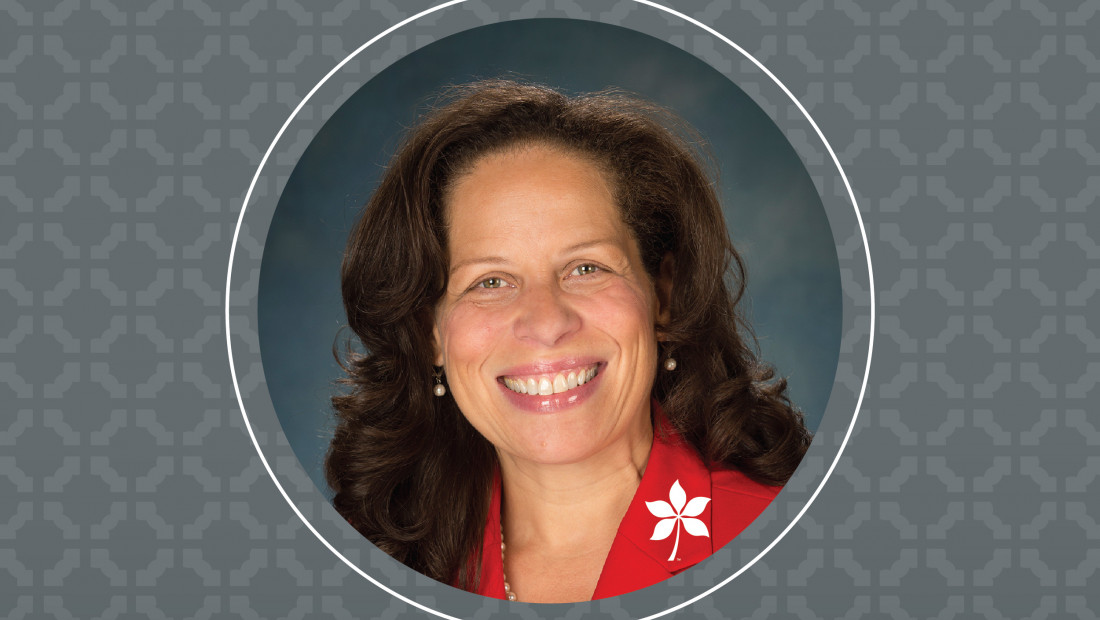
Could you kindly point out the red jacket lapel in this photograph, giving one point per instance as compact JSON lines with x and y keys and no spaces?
{"x":673,"y":503}
{"x":723,"y":502}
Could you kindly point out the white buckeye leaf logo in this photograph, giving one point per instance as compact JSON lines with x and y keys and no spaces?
{"x":672,"y":516}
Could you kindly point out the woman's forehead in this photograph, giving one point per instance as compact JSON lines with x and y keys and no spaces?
{"x":535,"y":199}
{"x":523,"y":151}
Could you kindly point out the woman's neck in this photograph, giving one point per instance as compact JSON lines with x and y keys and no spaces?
{"x":567,"y":508}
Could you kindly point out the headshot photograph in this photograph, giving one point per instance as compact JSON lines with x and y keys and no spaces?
{"x":549,"y":310}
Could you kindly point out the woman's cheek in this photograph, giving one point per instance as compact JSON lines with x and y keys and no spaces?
{"x":469,"y":329}
{"x":620,"y":306}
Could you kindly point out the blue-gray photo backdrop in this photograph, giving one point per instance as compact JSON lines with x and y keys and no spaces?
{"x":774,"y":215}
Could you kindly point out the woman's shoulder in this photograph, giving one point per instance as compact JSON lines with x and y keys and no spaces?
{"x":737,"y":501}
{"x":732,"y":482}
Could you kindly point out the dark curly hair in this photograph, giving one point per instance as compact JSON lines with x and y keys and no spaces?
{"x":409,"y":472}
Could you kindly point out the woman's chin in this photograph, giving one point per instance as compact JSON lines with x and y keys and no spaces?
{"x":555,"y":451}
{"x":567,"y":438}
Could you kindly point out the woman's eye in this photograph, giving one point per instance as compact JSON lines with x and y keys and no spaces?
{"x":586,"y":269}
{"x":491,"y":283}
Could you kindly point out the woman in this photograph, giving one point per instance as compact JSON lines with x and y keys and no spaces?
{"x":556,"y":403}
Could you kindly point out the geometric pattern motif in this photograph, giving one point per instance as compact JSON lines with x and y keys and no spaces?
{"x":128,"y":135}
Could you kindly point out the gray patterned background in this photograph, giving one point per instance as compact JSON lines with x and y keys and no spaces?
{"x":130,"y":488}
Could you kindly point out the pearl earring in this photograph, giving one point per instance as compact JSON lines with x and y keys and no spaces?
{"x":439,"y":389}
{"x":670,"y":364}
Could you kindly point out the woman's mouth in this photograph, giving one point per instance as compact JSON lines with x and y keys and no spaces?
{"x":548,"y":384}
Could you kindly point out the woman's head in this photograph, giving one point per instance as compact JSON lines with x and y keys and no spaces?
{"x":645,"y":158}
{"x":548,"y":327}
{"x":648,"y":239}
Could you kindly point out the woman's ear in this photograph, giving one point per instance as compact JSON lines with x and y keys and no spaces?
{"x":663,"y":285}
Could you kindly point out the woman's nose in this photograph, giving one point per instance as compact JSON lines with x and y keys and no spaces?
{"x":545,"y":316}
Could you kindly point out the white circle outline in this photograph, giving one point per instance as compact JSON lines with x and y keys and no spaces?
{"x":386,"y":32}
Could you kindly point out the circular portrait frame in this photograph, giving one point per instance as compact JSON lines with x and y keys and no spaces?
{"x":266,"y":426}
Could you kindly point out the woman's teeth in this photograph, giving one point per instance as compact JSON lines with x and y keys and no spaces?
{"x":545,"y":385}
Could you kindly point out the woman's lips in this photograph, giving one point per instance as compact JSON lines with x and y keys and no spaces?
{"x":546,"y":392}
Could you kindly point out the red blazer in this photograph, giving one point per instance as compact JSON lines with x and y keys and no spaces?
{"x":680,"y":506}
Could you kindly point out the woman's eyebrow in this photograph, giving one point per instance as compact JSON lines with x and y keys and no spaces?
{"x":584,"y":245}
{"x":500,"y":260}
{"x":481,"y":260}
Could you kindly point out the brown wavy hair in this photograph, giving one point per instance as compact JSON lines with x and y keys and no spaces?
{"x":409,"y":472}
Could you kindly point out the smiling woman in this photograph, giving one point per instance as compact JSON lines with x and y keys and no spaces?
{"x":547,"y":284}
{"x":563,"y":301}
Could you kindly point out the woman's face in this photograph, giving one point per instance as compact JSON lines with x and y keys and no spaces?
{"x":547,"y":329}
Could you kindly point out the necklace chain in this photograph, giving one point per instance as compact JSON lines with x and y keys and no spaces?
{"x":507,"y":588}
